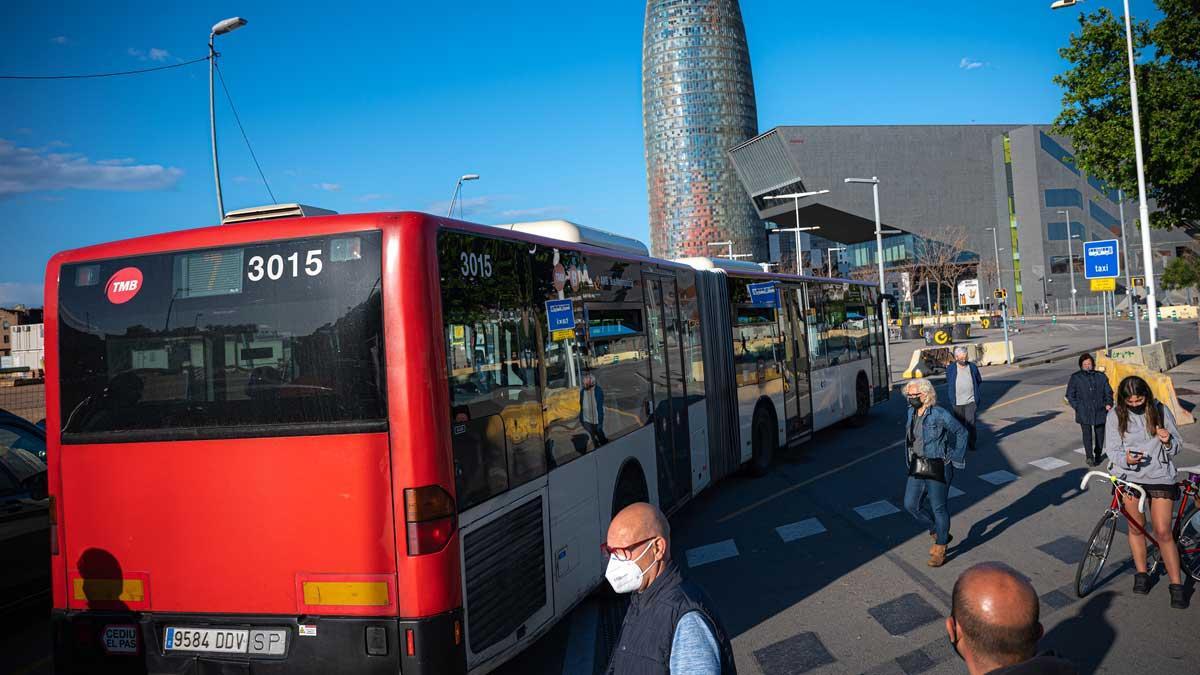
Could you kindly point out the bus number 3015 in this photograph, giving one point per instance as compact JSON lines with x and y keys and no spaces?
{"x":273,"y":267}
{"x":476,"y":265}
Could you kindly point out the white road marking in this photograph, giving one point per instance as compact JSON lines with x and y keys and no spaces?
{"x":799,"y":530}
{"x":955,"y":492}
{"x":580,"y":656}
{"x":999,"y":477}
{"x":1080,"y":451}
{"x":1049,"y":463}
{"x":702,"y":555}
{"x":876,"y":510}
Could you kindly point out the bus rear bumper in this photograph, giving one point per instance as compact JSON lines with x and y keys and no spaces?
{"x":126,"y":642}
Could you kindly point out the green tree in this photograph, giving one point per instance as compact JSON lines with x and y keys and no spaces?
{"x":1182,"y":272}
{"x":1097,"y":115}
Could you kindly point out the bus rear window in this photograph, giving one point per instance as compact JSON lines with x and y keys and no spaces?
{"x":267,"y":339}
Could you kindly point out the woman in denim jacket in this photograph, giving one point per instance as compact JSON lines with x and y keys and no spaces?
{"x":1141,"y":441}
{"x":932,"y":432}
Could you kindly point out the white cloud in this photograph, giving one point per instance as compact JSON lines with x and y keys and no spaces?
{"x":60,"y":40}
{"x":30,"y":170}
{"x":328,"y":187}
{"x":24,"y":293}
{"x":373,"y":197}
{"x":536,"y":211}
{"x":154,"y":54}
{"x":968,"y":64}
{"x":472,"y":206}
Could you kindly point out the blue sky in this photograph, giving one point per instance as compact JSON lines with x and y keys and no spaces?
{"x":361,"y":107}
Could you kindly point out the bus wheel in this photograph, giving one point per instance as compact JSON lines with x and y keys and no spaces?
{"x":631,"y":488}
{"x":862,"y":402}
{"x":765,"y":439}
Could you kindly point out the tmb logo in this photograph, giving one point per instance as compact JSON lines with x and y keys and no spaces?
{"x":123,"y":285}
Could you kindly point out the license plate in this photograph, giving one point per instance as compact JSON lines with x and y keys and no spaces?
{"x":269,"y":642}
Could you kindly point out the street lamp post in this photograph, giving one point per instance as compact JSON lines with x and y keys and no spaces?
{"x":797,"y":229}
{"x":883,"y":306}
{"x":1070,"y":256}
{"x":1143,"y":210}
{"x":457,"y":189}
{"x":220,"y":28}
{"x":1129,"y":298}
{"x":1004,"y":303}
{"x":724,"y":243}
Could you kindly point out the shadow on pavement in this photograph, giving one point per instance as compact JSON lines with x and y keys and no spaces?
{"x":1020,"y":425}
{"x":1084,"y":639}
{"x":1045,"y":495}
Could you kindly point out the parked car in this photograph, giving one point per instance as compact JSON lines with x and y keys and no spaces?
{"x":24,"y":512}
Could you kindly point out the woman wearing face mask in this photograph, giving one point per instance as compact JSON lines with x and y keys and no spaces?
{"x":1141,"y":441}
{"x":936,"y":445}
{"x":1090,"y":395}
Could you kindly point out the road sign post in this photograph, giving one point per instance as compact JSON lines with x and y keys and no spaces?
{"x":1101,"y":267}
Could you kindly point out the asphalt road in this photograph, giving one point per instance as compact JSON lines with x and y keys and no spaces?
{"x":852,"y":594}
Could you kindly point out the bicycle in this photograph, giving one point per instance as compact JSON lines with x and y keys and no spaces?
{"x":1186,"y":530}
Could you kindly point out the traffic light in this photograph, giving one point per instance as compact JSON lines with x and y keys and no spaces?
{"x":1000,"y":293}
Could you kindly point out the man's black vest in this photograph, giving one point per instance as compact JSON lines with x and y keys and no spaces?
{"x":649,"y":628}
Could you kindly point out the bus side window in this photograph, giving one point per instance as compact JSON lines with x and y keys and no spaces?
{"x":496,"y":428}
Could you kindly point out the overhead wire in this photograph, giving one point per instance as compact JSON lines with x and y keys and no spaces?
{"x":243,"y":130}
{"x":96,"y":75}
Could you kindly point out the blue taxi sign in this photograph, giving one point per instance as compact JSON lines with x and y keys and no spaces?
{"x":1100,"y":259}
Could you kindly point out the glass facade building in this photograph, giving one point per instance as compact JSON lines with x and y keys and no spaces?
{"x":697,"y":103}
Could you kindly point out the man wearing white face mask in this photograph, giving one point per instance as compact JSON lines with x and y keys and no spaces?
{"x":670,"y":626}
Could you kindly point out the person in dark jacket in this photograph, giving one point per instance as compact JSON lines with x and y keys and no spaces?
{"x":1091,"y":396}
{"x":962,"y":388}
{"x":994,"y":624}
{"x":591,"y":409}
{"x":671,"y":626}
{"x":933,"y":433}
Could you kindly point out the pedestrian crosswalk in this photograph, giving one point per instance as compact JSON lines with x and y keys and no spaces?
{"x":882,"y":508}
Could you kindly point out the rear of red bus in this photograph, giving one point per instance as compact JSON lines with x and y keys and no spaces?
{"x":246,"y":468}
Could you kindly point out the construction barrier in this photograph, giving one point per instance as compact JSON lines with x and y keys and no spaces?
{"x":1159,"y":356}
{"x":1160,"y":383}
{"x":933,"y":360}
{"x":1176,"y":312}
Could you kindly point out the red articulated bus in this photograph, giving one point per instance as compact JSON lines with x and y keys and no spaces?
{"x":305,"y":442}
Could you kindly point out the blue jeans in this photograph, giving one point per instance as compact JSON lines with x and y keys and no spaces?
{"x":926,"y":501}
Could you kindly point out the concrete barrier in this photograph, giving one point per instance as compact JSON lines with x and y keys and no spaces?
{"x":1160,"y":383}
{"x":1159,"y":356}
{"x":933,"y":360}
{"x":1181,"y":312}
{"x":992,"y":353}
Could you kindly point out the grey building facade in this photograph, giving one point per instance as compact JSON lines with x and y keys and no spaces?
{"x":697,"y":103}
{"x":935,"y":181}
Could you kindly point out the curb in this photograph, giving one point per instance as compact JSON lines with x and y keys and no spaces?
{"x":1072,"y":355}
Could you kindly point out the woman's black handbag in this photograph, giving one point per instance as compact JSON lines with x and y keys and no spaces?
{"x":928,"y":468}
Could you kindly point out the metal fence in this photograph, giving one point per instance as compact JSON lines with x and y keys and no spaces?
{"x":28,"y":401}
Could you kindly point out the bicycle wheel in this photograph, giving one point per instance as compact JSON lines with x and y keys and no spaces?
{"x":1189,"y":543}
{"x":1094,"y":558}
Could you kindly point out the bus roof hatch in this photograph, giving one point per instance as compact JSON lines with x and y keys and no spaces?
{"x":565,"y":230}
{"x":274,"y":212}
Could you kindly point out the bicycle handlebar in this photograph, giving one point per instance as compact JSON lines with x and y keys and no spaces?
{"x":1113,"y":479}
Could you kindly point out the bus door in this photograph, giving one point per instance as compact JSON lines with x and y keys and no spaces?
{"x":670,"y":413}
{"x":798,"y":402}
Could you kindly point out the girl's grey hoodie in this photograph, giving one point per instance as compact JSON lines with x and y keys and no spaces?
{"x":1157,"y":466}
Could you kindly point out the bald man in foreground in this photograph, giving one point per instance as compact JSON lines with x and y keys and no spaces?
{"x":994,"y":625}
{"x":670,"y":626}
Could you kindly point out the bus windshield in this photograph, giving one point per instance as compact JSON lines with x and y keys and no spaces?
{"x":277,"y":338}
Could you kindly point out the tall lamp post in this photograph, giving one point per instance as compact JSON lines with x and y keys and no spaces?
{"x":1000,"y":283}
{"x":873,"y":181}
{"x":1143,"y":210}
{"x":1129,"y":298}
{"x":457,"y":189}
{"x":1070,"y":256}
{"x":222,"y":27}
{"x":797,"y":229}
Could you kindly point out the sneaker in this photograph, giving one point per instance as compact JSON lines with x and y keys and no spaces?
{"x":1141,"y":583}
{"x":1179,"y":599}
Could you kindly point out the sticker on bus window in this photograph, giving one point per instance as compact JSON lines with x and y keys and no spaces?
{"x":123,"y":285}
{"x":308,"y":629}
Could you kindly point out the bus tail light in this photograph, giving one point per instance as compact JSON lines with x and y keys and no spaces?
{"x":429,"y":516}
